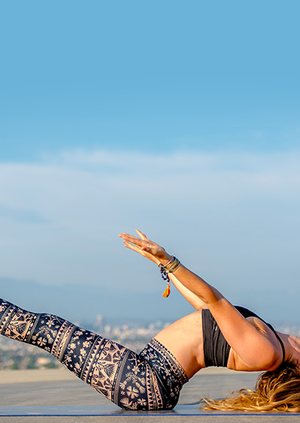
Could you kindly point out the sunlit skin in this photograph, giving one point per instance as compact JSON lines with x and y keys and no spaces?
{"x":254,"y":346}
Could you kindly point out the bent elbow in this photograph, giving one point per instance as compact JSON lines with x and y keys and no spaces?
{"x":268,"y":359}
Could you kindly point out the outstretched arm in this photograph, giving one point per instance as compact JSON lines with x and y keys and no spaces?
{"x":258,"y":350}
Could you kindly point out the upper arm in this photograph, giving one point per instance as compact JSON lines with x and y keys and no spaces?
{"x":259,"y":350}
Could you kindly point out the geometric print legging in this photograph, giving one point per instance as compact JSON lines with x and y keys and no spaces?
{"x":150,"y":380}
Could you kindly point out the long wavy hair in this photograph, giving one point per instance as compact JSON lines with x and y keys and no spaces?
{"x":275,"y":391}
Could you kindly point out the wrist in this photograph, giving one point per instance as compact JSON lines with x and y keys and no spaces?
{"x":165,"y":260}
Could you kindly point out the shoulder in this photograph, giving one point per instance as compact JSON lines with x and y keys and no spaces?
{"x":270,"y":350}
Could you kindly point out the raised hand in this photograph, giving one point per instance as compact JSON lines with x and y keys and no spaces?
{"x":145,"y":247}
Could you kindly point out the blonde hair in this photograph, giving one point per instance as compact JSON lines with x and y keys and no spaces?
{"x":275,"y":391}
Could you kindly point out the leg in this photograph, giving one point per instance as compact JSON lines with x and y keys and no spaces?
{"x":127,"y":379}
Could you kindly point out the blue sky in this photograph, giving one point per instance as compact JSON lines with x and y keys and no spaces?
{"x":148,"y":75}
{"x":179,"y":118}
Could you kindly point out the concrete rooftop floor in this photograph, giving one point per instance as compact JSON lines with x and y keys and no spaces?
{"x":58,"y":396}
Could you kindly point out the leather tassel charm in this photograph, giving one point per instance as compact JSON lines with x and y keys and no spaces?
{"x":167,"y":291}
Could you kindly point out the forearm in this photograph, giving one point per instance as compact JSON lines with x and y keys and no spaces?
{"x":193,"y":299}
{"x":200,"y":291}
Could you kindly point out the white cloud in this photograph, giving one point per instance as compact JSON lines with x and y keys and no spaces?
{"x":233,"y":217}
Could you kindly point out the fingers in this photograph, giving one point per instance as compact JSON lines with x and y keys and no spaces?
{"x":141,"y":235}
{"x":142,"y":243}
{"x":136,"y":248}
{"x":131,"y":246}
{"x":144,"y":238}
{"x":135,"y":240}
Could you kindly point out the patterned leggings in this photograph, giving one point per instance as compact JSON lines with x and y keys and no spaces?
{"x":150,"y":380}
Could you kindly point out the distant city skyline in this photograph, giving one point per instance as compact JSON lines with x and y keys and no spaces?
{"x":178,"y":119}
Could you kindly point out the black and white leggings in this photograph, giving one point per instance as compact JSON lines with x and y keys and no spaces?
{"x":150,"y":380}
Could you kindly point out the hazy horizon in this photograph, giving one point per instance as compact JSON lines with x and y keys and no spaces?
{"x":83,"y":303}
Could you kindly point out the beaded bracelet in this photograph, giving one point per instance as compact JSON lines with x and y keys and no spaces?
{"x":170,"y":267}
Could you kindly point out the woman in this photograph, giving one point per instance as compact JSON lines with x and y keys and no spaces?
{"x":216,"y":334}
